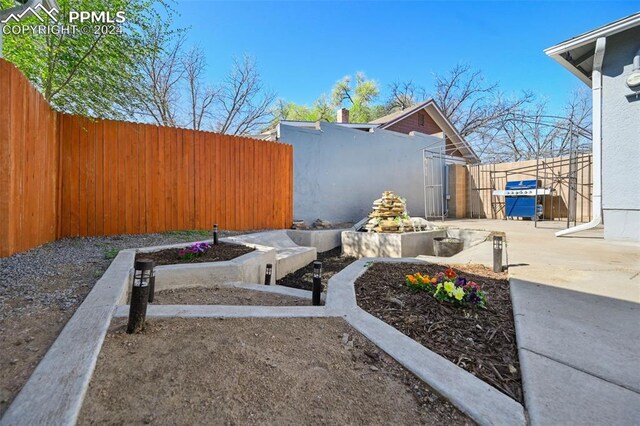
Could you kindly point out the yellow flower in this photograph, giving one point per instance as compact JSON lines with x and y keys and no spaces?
{"x":458,"y":293}
{"x":449,"y":287}
{"x":438,"y":288}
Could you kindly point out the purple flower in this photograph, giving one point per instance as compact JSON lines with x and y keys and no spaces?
{"x":473,"y":298}
{"x":461,"y":282}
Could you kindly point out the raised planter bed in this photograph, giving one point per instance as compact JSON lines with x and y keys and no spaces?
{"x":332,"y":263}
{"x":246,"y":268}
{"x":481,"y":341}
{"x":407,"y":244}
{"x":216,"y":253}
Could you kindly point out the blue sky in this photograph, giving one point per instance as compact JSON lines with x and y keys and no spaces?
{"x":303,"y":47}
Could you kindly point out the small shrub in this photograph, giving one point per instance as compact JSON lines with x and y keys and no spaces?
{"x":194,"y":250}
{"x":448,"y":287}
{"x":111,"y":253}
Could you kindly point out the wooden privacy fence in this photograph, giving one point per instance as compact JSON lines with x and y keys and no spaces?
{"x":64,"y":175}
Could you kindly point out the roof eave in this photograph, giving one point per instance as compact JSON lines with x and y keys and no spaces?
{"x":572,"y":69}
{"x":556,"y":52}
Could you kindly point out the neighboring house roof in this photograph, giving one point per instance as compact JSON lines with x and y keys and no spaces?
{"x":388,"y":120}
{"x":441,"y":120}
{"x":576,"y":54}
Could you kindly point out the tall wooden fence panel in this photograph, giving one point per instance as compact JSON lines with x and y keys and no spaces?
{"x":127,"y":178}
{"x":28,"y":164}
{"x":64,"y":175}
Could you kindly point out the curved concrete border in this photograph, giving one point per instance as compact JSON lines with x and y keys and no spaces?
{"x":480,"y":401}
{"x":55,"y":391}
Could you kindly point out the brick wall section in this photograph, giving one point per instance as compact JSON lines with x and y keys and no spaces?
{"x":412,"y":124}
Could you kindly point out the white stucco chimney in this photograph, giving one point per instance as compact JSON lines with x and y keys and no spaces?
{"x":342,"y":116}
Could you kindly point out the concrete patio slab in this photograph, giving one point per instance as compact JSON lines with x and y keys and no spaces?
{"x":557,"y":394}
{"x":583,"y":262}
{"x":594,"y":334}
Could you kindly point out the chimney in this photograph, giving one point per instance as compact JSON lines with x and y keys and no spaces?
{"x":342,"y":116}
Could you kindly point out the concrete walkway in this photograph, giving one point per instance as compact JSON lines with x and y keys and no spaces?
{"x":583,"y":262}
{"x":577,"y":312}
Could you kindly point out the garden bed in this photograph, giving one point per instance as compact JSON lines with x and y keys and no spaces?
{"x":215,"y":253}
{"x":254,"y":371}
{"x":332,"y":263}
{"x":482,"y":341}
{"x":224,"y":296}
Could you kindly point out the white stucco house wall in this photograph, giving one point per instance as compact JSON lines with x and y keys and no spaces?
{"x":607,"y":59}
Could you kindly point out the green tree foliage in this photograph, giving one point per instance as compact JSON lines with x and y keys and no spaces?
{"x":89,"y":73}
{"x":357,"y":93}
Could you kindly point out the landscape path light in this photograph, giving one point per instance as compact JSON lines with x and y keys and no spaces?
{"x":215,"y":234}
{"x":317,"y":283}
{"x":142,"y":273}
{"x":497,"y":252}
{"x":267,"y":274}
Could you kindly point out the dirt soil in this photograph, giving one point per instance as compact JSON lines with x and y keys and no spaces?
{"x":40,"y":289}
{"x":217,"y":253}
{"x":254,"y":371}
{"x":482,"y":341}
{"x":224,"y":296}
{"x":332,"y":263}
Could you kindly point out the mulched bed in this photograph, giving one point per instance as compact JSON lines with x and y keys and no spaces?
{"x":482,"y":341}
{"x":332,"y":263}
{"x":217,"y":253}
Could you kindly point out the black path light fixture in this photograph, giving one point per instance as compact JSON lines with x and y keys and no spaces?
{"x":267,"y":274}
{"x":316,"y":290}
{"x":215,"y":234}
{"x":152,"y":284}
{"x":142,"y":273}
{"x":498,"y":241}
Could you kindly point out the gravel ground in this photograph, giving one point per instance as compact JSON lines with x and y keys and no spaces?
{"x":40,"y":290}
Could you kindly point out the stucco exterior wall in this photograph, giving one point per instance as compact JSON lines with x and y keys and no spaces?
{"x":620,"y":140}
{"x":338,"y":171}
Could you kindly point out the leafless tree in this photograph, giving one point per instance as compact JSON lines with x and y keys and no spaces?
{"x":244,"y":105}
{"x":201,"y":97}
{"x":403,"y":95}
{"x":162,"y":73}
{"x":473,"y":105}
{"x":531,"y":132}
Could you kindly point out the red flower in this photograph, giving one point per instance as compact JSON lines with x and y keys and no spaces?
{"x":450,"y":274}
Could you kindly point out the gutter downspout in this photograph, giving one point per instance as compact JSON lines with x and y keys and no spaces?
{"x":596,"y":78}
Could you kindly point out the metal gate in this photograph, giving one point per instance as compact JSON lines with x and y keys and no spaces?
{"x":434,"y":171}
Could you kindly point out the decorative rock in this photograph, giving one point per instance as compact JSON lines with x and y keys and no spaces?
{"x":321,"y":224}
{"x":389,"y":214}
{"x":299,"y":224}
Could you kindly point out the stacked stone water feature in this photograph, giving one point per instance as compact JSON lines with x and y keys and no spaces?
{"x":389,"y":215}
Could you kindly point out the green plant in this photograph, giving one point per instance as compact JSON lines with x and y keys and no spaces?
{"x":194,"y":250}
{"x":111,"y":253}
{"x":448,"y":287}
